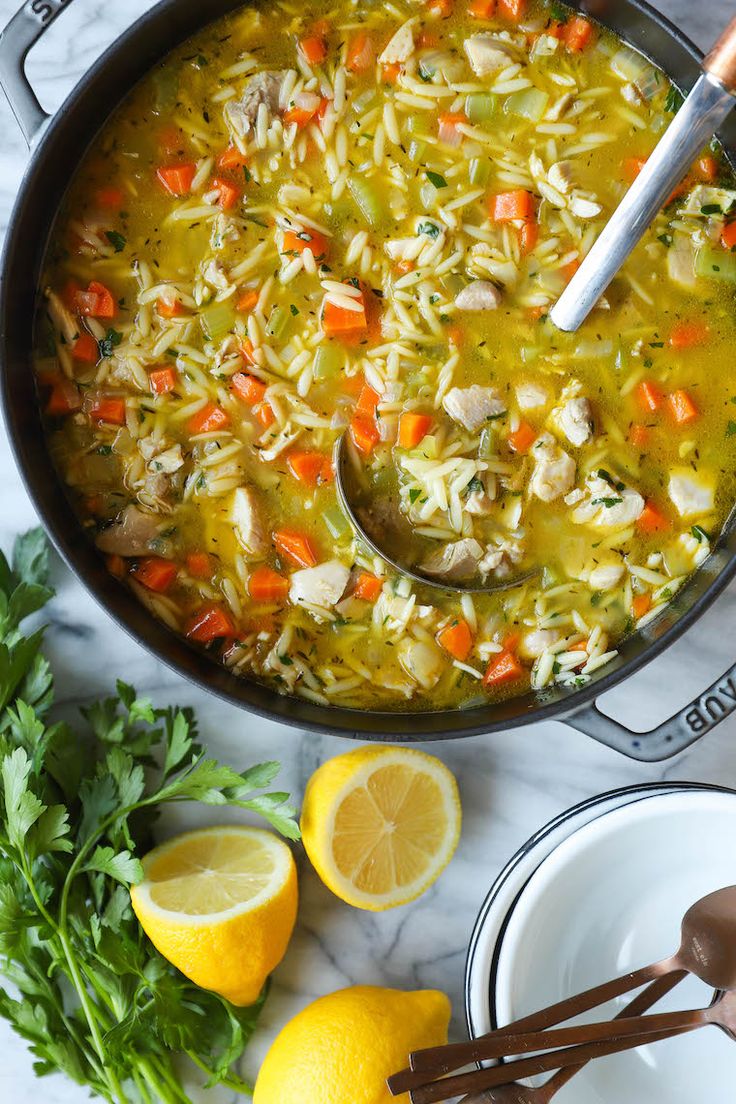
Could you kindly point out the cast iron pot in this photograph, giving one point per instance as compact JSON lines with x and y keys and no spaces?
{"x":57,"y":145}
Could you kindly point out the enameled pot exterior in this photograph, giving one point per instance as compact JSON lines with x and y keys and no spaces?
{"x":60,"y":142}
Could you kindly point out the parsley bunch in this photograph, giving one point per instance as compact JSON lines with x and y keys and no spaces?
{"x":77,"y":807}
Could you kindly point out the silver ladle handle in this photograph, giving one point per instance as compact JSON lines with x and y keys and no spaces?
{"x":694,"y":125}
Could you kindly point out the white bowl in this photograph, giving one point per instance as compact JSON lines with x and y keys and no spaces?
{"x":608,"y":900}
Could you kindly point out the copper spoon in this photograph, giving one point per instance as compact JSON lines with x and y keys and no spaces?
{"x":707,"y":950}
{"x":543,"y":1094}
{"x":391,"y":527}
{"x":627,"y":1035}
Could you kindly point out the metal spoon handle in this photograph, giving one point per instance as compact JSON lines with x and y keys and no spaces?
{"x":480,"y":1080}
{"x":694,"y":125}
{"x":454,"y":1055}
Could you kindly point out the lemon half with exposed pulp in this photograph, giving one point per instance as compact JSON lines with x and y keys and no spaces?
{"x":380,"y":824}
{"x":220,"y":904}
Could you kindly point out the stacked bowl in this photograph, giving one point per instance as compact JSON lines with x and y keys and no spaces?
{"x":598,"y":892}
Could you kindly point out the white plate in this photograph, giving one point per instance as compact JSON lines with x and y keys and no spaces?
{"x":482,"y":956}
{"x":607,"y":900}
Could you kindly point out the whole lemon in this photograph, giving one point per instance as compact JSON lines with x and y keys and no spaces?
{"x":341,"y":1048}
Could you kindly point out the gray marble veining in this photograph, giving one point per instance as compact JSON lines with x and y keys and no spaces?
{"x":510,"y":783}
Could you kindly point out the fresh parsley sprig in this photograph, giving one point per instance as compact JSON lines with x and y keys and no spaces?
{"x":95,"y":1000}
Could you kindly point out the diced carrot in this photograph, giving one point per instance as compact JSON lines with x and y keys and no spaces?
{"x":361,"y":54}
{"x":641,"y":604}
{"x":112,"y":198}
{"x":440,"y":9}
{"x":266,"y":585}
{"x":170,"y":308}
{"x":69,"y":294}
{"x":162,"y":380}
{"x":631,"y":167}
{"x":555,"y":29}
{"x":728,"y":235}
{"x":199,"y":564}
{"x":340,"y":322}
{"x":569,"y":270}
{"x":390,"y":72}
{"x":296,"y":546}
{"x":364,"y":433}
{"x":308,"y":467}
{"x":448,"y":124}
{"x":94,"y":504}
{"x":86,"y":349}
{"x":707,"y":167}
{"x":247,"y":300}
{"x":503,"y":668}
{"x":507,"y":206}
{"x":686,"y":334}
{"x":652,"y":520}
{"x":511,"y":641}
{"x":413,"y":428}
{"x":368,"y":400}
{"x":155,"y":573}
{"x":522,"y":439}
{"x":456,"y":335}
{"x":650,"y":396}
{"x":116,"y":565}
{"x":577,"y":33}
{"x":248,"y":389}
{"x":313,"y":49}
{"x":427,"y":40}
{"x":535,"y":313}
{"x":170,"y":139}
{"x":64,"y":398}
{"x":231,"y":158}
{"x":96,"y":302}
{"x":265,"y":415}
{"x":300,"y":115}
{"x":228,"y":194}
{"x":246,"y":348}
{"x":457,"y":639}
{"x":515,"y":10}
{"x":528,"y":236}
{"x":108,"y":408}
{"x":682,"y":407}
{"x":208,"y":419}
{"x":368,"y":587}
{"x":581,"y":646}
{"x":639,"y":435}
{"x":306,"y":239}
{"x":212,"y":622}
{"x":482,"y":9}
{"x":680,"y":190}
{"x":177,"y":179}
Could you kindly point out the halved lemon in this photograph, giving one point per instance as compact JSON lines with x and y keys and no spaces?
{"x":380,"y":824}
{"x":220,"y":904}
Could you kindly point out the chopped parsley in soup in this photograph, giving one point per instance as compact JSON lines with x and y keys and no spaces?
{"x":313,"y":220}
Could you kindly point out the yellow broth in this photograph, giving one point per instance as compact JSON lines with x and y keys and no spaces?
{"x":193,"y":346}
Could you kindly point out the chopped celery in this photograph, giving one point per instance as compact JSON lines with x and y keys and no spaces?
{"x":217,"y":320}
{"x":453,"y":283}
{"x":479,"y":171}
{"x":480,"y":106}
{"x":428,"y":449}
{"x":367,"y":199}
{"x":530,"y":103}
{"x":550,"y":578}
{"x":429,"y":195}
{"x":277,"y":323}
{"x":328,"y":361}
{"x":416,"y":124}
{"x":336,"y":522}
{"x":417,"y":150}
{"x":166,"y":88}
{"x":487,"y":444}
{"x":716,"y":263}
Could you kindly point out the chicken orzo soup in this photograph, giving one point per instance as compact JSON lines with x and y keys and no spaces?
{"x":311,"y":220}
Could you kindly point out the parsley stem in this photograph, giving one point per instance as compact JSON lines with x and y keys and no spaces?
{"x":241,"y":1086}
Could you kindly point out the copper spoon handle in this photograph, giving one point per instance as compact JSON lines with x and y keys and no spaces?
{"x":454,"y":1055}
{"x":721,"y":61}
{"x":477,"y":1081}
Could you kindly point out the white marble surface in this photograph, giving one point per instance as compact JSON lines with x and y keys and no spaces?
{"x":510,"y":784}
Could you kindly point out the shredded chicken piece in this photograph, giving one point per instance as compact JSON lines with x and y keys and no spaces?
{"x":575,"y":419}
{"x":322,"y":586}
{"x":472,"y":406}
{"x":481,"y":295}
{"x":456,"y":561}
{"x":554,"y":471}
{"x":263,"y":88}
{"x":130,"y":534}
{"x":245,"y":514}
{"x":399,"y":48}
{"x":486,"y":54}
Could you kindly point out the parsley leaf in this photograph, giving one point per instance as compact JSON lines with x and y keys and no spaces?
{"x":110,"y":342}
{"x":436,"y":179}
{"x":116,"y":240}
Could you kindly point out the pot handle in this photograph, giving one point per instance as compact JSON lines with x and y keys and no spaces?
{"x":673,"y":735}
{"x":21,"y":33}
